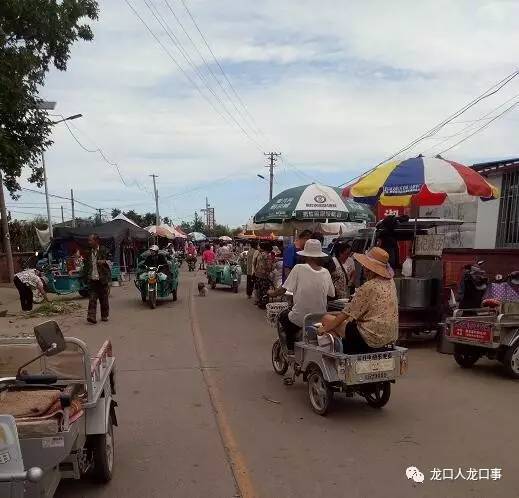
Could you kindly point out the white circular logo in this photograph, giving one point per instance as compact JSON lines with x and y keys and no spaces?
{"x":320,"y":199}
{"x":414,"y":474}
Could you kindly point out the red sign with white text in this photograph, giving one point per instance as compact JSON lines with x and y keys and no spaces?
{"x":473,"y":331}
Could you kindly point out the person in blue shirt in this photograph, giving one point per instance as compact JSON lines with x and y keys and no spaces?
{"x":290,"y":257}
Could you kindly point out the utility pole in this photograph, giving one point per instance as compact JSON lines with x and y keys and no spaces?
{"x":273,"y":157}
{"x":5,"y":230}
{"x":157,"y":216}
{"x":73,"y":212}
{"x":62,"y":217}
{"x":100,"y":216}
{"x":49,"y":218}
{"x":209,"y":215}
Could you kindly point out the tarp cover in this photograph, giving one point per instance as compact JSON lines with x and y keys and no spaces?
{"x":111,"y":234}
{"x":118,"y":230}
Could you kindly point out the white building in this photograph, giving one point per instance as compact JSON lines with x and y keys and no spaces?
{"x":488,"y":224}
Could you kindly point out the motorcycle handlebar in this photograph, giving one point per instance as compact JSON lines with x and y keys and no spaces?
{"x":34,"y":474}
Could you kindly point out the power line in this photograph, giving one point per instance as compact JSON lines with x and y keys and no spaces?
{"x":491,"y":91}
{"x":231,"y":86}
{"x":167,"y":29}
{"x":101,"y":153}
{"x":471,"y":125}
{"x":481,"y":127}
{"x":61,"y":197}
{"x":244,"y":115}
{"x":180,"y":68}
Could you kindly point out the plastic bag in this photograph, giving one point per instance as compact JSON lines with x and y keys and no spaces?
{"x":452,"y":301}
{"x":407,"y":268}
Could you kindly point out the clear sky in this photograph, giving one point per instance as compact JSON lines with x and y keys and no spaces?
{"x":335,"y":86}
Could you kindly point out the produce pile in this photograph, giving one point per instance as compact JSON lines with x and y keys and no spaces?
{"x":53,"y":308}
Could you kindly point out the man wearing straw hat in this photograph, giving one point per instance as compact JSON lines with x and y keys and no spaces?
{"x":311,"y":286}
{"x":370,"y":320}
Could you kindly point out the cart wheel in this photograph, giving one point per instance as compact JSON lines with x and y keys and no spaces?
{"x":379,"y":395}
{"x":212,"y":283}
{"x":465,"y":357}
{"x":103,"y":454}
{"x":279,"y":361}
{"x":511,"y":361}
{"x":152,"y":299}
{"x":83,"y":292}
{"x":174,"y":295}
{"x":319,"y":392}
{"x":143,"y":296}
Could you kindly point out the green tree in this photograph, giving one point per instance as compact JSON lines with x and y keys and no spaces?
{"x":115,"y":212}
{"x":132,"y":215}
{"x":218,"y":231}
{"x":186,"y":227}
{"x":34,"y":34}
{"x":198,"y":224}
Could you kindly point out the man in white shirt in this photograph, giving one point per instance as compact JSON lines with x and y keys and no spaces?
{"x":311,"y":285}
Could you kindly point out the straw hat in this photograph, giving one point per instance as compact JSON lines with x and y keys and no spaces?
{"x":313,"y":249}
{"x":377,"y":261}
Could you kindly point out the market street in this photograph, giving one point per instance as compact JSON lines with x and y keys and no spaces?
{"x":170,"y":443}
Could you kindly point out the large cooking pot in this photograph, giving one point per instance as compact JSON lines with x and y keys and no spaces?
{"x":414,"y":292}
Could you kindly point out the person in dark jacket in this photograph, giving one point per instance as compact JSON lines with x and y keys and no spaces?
{"x":97,"y":274}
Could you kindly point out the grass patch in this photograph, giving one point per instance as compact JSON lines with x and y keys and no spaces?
{"x":54,"y":308}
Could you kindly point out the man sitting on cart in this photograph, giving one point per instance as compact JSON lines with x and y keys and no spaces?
{"x":310,"y":284}
{"x":223,"y":253}
{"x":370,"y":320}
{"x":155,"y":259}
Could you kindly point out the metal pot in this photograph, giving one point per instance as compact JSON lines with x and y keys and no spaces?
{"x":413,"y":292}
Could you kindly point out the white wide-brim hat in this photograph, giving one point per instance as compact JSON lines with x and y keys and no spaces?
{"x":313,"y":249}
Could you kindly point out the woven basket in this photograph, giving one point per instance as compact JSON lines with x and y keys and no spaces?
{"x":273,"y":311}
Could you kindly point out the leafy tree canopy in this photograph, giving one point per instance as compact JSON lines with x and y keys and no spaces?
{"x":34,"y":34}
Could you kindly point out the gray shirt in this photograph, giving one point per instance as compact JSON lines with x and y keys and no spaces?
{"x":95,"y":271}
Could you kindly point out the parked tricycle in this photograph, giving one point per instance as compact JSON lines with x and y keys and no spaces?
{"x":491,"y":331}
{"x":327,"y":370}
{"x":228,"y":274}
{"x":58,"y":412}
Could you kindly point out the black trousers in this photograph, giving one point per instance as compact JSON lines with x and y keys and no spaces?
{"x":353,"y":342}
{"x":262,"y":287}
{"x":250,"y":284}
{"x":98,"y":291}
{"x":25,"y":292}
{"x":291,"y":330}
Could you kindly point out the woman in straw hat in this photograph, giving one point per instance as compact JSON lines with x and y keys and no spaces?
{"x":370,"y":320}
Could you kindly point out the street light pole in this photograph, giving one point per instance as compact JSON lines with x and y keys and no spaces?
{"x":49,"y":218}
{"x":5,"y":230}
{"x":157,"y":215}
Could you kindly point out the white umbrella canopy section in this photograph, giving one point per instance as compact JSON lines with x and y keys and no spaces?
{"x":197,"y":236}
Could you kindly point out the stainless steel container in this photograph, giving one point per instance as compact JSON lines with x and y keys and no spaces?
{"x":414,"y":293}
